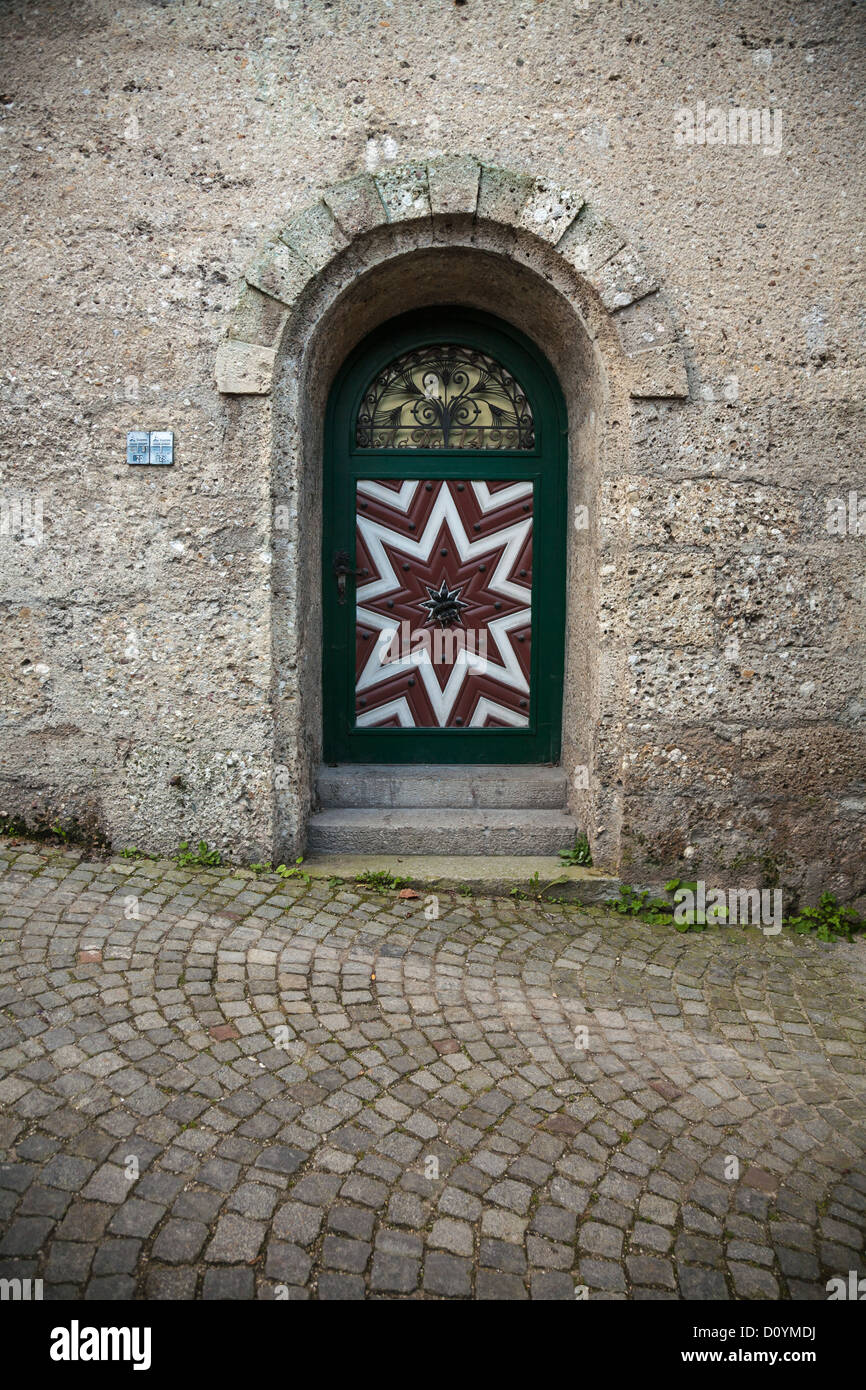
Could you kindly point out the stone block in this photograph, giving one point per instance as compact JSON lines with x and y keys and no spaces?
{"x":685,"y":762}
{"x":818,"y":444}
{"x":727,"y":439}
{"x":760,"y":688}
{"x":244,"y":369}
{"x":315,"y":235}
{"x":357,"y":205}
{"x":622,"y":280}
{"x":404,"y":192}
{"x":644,"y":323}
{"x":659,"y":372}
{"x":257,"y":318}
{"x":280,"y":272}
{"x":590,"y":241}
{"x":813,"y":755}
{"x":549,"y":210}
{"x":502,"y":194}
{"x":453,"y":182}
{"x":793,"y":596}
{"x":671,"y":604}
{"x":708,"y":512}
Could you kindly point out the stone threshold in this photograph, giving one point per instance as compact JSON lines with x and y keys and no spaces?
{"x":489,"y":875}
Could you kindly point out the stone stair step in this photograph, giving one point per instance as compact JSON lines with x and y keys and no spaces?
{"x":491,"y":786}
{"x":440,"y":831}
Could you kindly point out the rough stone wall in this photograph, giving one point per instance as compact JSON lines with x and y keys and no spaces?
{"x":148,"y":151}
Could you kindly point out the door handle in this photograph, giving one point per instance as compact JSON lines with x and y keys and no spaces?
{"x":342,"y":567}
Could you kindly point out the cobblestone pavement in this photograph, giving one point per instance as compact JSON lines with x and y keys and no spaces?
{"x":325,"y":1094}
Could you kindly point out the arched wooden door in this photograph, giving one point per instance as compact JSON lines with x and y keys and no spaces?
{"x":444,"y":547}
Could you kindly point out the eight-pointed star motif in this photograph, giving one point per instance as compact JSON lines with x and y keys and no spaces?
{"x":425,"y":545}
{"x":444,"y":606}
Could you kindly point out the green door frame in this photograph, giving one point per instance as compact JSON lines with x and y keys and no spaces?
{"x":545,"y":466}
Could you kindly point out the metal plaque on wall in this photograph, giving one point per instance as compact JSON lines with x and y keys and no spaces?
{"x":153,"y":447}
{"x":137,"y":446}
{"x":161,"y":446}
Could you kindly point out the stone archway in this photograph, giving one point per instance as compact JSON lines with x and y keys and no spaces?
{"x":451,"y":231}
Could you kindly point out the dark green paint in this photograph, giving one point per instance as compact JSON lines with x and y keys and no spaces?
{"x":545,"y":465}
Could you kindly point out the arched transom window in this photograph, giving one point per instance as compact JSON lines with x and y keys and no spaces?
{"x":444,"y":397}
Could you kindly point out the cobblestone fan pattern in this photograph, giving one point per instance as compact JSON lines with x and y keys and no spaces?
{"x":217,"y":1087}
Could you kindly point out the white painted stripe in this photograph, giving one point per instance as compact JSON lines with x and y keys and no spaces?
{"x":489,"y":501}
{"x":401,"y":501}
{"x":400,"y":707}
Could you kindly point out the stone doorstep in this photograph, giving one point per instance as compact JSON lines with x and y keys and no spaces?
{"x":446,"y":786}
{"x":486,"y":874}
{"x":441,"y":831}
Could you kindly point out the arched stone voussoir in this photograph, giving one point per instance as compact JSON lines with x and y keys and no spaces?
{"x":315,"y":235}
{"x":527,"y":204}
{"x":453,"y":181}
{"x":356,"y":204}
{"x":405,"y":192}
{"x":434,"y":192}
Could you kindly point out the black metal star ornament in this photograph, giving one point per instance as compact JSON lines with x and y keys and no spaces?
{"x":444,"y":605}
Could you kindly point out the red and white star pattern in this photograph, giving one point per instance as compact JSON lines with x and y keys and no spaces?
{"x":469,"y":544}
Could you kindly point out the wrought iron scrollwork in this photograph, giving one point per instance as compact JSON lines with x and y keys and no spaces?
{"x":445,"y":397}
